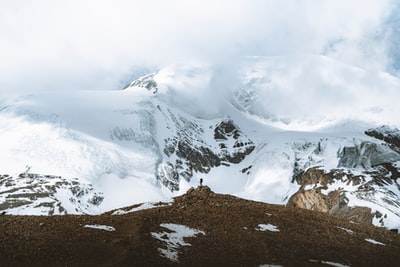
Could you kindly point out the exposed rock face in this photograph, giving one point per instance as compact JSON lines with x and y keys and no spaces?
{"x":310,"y":196}
{"x":366,"y":155}
{"x":367,"y":174}
{"x":147,"y":82}
{"x":313,"y":176}
{"x":309,"y":199}
{"x":388,"y":134}
{"x":31,"y":191}
{"x":355,"y":214}
{"x":233,"y":144}
{"x":188,"y":151}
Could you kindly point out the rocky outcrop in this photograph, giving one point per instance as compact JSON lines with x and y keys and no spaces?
{"x":390,"y":135}
{"x":188,"y":152}
{"x":233,"y":144}
{"x":314,"y":194}
{"x":200,"y":194}
{"x":366,"y":155}
{"x":368,"y":173}
{"x":46,"y":195}
{"x":310,"y":200}
{"x":334,"y":203}
{"x":362,"y":215}
{"x":146,"y":82}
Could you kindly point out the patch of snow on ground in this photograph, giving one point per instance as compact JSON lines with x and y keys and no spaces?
{"x":143,"y":206}
{"x":270,"y":265}
{"x":350,"y":232}
{"x":173,"y":240}
{"x":100,"y":227}
{"x":267,"y":227}
{"x":374,"y":242}
{"x":331,"y":263}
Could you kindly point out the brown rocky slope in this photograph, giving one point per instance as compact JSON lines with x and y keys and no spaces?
{"x":230,"y":232}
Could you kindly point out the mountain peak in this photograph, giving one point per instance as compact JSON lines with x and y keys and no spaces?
{"x":148,"y":82}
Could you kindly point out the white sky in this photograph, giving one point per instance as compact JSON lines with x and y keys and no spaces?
{"x":97,"y":44}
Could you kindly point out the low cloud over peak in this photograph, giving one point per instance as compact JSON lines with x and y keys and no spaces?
{"x":47,"y":45}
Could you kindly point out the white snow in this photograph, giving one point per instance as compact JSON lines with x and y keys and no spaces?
{"x":350,"y":232}
{"x":113,"y":141}
{"x":101,"y":138}
{"x":267,"y":227}
{"x":174,"y":239}
{"x":372,"y":241}
{"x":100,"y":227}
{"x":376,"y":203}
{"x":143,"y":206}
{"x":331,"y":263}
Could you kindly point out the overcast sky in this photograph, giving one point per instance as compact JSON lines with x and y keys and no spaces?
{"x":99,"y":44}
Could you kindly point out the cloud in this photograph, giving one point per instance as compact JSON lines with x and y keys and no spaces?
{"x":97,"y":44}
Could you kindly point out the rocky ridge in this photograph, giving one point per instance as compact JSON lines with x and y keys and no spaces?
{"x":230,"y":232}
{"x":367,"y":172}
{"x":310,"y":195}
{"x":31,"y":191}
{"x":146,"y":82}
{"x":188,"y":151}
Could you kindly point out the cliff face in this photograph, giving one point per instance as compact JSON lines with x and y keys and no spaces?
{"x":191,"y":149}
{"x":367,"y":155}
{"x":345,"y":194}
{"x":41,"y":193}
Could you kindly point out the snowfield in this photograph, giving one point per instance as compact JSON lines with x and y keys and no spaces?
{"x":157,"y":138}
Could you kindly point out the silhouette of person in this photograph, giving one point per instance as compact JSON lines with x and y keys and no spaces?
{"x":201,"y":181}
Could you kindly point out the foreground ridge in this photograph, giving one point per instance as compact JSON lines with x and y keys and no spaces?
{"x":199,"y":228}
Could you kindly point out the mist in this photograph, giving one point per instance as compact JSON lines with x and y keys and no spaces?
{"x":99,"y":45}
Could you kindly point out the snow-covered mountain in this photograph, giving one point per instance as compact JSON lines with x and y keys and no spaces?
{"x":300,"y":130}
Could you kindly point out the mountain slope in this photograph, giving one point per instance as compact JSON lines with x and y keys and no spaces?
{"x":255,"y":130}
